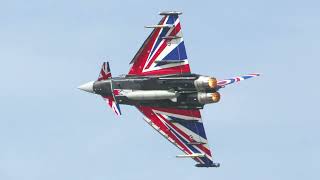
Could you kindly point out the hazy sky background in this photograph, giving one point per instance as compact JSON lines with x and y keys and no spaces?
{"x":266,"y":128}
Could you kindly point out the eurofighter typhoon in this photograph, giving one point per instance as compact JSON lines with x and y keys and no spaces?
{"x":162,"y":87}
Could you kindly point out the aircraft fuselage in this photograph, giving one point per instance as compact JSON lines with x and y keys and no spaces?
{"x":189,"y":91}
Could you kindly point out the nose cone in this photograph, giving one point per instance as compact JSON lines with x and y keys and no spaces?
{"x":87,"y":87}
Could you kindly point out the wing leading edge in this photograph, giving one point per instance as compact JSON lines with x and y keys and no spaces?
{"x":184,"y":129}
{"x":163,"y":52}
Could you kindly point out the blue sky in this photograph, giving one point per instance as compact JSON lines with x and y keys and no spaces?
{"x":264,"y":128}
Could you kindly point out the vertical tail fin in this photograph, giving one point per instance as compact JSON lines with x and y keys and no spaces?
{"x":105,"y":74}
{"x":224,"y":82}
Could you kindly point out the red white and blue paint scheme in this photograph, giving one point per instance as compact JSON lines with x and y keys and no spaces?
{"x":161,"y":86}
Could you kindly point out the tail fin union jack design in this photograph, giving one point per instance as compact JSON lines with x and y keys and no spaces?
{"x":222,"y":83}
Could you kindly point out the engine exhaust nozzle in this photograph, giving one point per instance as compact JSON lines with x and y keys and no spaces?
{"x":205,"y":83}
{"x":207,"y":98}
{"x":215,"y":97}
{"x":212,"y":83}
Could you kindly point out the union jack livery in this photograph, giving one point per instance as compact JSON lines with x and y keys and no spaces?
{"x":161,"y":86}
{"x":105,"y":74}
{"x":224,"y":82}
{"x":163,"y":52}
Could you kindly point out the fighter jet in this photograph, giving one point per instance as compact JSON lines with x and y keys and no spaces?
{"x":162,"y":87}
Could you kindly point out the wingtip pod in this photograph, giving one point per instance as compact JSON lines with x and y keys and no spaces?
{"x":165,"y":13}
{"x":208,"y":165}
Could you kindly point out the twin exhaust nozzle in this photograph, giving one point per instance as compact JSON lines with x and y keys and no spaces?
{"x":203,"y":84}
